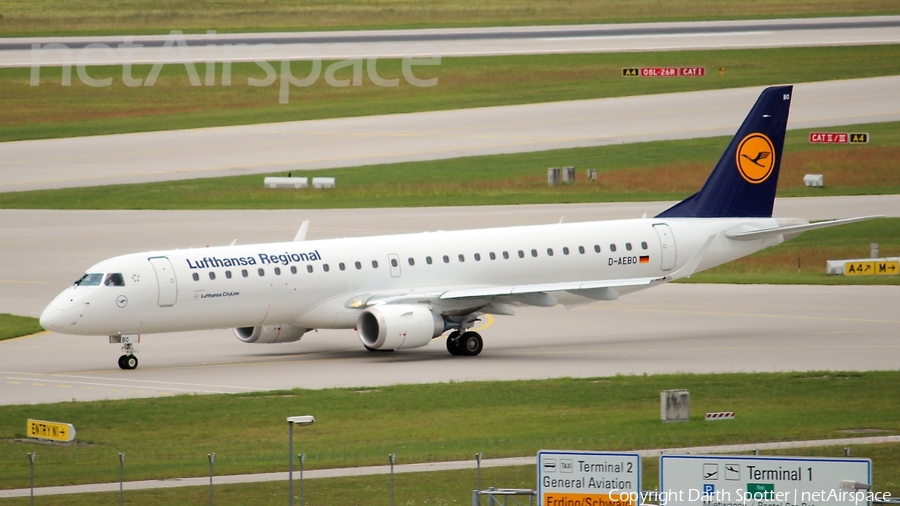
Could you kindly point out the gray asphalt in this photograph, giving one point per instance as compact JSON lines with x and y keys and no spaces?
{"x":343,"y":142}
{"x":674,"y":328}
{"x":16,"y":52}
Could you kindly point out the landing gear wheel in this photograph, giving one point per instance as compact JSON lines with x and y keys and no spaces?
{"x":470,"y":344}
{"x":453,"y":345}
{"x":128,"y":362}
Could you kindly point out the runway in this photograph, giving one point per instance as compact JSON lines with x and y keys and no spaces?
{"x":491,"y":41}
{"x":674,"y":328}
{"x":343,"y":142}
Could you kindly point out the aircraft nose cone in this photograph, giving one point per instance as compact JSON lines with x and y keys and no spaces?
{"x":51,"y":317}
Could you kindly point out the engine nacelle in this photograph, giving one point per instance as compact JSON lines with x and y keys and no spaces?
{"x":269,"y":334}
{"x":394,"y":327}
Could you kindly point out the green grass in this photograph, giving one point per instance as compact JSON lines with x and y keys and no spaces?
{"x":16,"y":326}
{"x":169,"y":437}
{"x":436,"y":489}
{"x":52,"y":110}
{"x":60,"y":17}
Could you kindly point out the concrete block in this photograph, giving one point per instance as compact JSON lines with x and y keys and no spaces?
{"x":285,"y":182}
{"x":675,"y":405}
{"x":814,"y":180}
{"x":323,"y":182}
{"x":553,"y":177}
{"x":568,"y":174}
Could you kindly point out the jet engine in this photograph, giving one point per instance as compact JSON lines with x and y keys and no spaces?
{"x":269,"y":334}
{"x":394,"y":327}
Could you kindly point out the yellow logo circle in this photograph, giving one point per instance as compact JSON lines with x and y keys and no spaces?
{"x":755,"y":158}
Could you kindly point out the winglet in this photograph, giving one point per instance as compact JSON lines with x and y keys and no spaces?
{"x":301,"y":234}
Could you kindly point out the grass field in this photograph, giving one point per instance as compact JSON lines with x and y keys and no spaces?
{"x":436,"y":489}
{"x":52,"y":110}
{"x":168,"y":437}
{"x":662,"y":170}
{"x":16,"y":326}
{"x":61,"y":17}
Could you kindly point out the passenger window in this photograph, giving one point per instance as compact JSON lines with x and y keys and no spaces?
{"x":521,"y":254}
{"x":89,"y":280}
{"x":261,"y":272}
{"x":597,"y":248}
{"x":309,"y":269}
{"x":293,"y":269}
{"x":581,"y":249}
{"x":462,"y":258}
{"x":212,"y":275}
{"x":196,"y":277}
{"x":358,"y":265}
{"x":477,"y":257}
{"x":374,"y":264}
{"x":228,"y":274}
{"x":325,"y":267}
{"x":550,"y":252}
{"x":446,"y":259}
{"x":278,"y":271}
{"x":643,"y":244}
{"x":428,"y":260}
{"x":565,"y":250}
{"x":341,"y":266}
{"x":244,"y":273}
{"x":412,"y":261}
{"x":505,"y":255}
{"x":114,"y":279}
{"x":534,"y":253}
{"x":493,"y":256}
{"x":612,"y":247}
{"x":628,"y":246}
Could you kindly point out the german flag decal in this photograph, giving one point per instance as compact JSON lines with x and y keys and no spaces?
{"x":645,"y":259}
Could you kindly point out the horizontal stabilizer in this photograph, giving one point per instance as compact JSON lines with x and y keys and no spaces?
{"x":795,"y":229}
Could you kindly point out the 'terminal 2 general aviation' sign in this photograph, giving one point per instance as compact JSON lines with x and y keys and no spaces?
{"x":588,"y":478}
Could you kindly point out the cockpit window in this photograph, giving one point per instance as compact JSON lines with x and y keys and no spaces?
{"x":114,"y":279}
{"x":90,"y":279}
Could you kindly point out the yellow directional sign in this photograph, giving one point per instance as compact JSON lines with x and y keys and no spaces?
{"x":887,"y":267}
{"x":53,"y":431}
{"x":859,"y":269}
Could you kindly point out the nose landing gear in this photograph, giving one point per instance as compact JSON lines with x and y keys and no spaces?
{"x":127,"y":361}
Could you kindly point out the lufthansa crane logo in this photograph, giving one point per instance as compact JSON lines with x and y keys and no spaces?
{"x":755,"y":158}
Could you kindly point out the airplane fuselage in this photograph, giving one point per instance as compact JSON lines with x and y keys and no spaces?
{"x":319,"y":284}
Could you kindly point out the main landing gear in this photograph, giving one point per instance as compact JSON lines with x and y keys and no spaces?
{"x":127,"y":361}
{"x":467,"y":344}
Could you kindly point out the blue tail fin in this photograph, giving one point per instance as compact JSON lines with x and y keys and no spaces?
{"x":744,"y":181}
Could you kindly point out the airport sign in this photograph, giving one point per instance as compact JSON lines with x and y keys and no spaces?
{"x":588,"y":478}
{"x":702,"y":480}
{"x":52,"y":431}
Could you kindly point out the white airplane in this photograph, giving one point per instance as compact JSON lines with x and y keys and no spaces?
{"x":402,"y":291}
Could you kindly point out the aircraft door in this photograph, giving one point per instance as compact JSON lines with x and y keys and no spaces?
{"x":165,"y":279}
{"x":394,"y":262}
{"x":667,"y":243}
